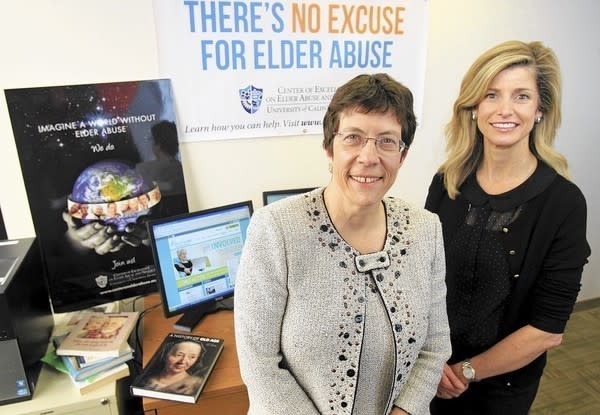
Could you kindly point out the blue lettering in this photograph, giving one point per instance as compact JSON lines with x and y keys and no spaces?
{"x":273,"y":56}
{"x":205,"y":53}
{"x":287,"y":50}
{"x":300,"y":54}
{"x":207,"y":16}
{"x":191,"y":5}
{"x":287,"y":54}
{"x":240,"y":10}
{"x":387,"y":54}
{"x":224,"y":17}
{"x":227,"y":16}
{"x":335,"y":59}
{"x":226,"y":55}
{"x":349,"y":54}
{"x":255,"y":16}
{"x":361,"y":54}
{"x":225,"y":243}
{"x":279,"y":25}
{"x":258,"y":54}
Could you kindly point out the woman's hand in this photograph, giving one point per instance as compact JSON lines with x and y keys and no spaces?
{"x":398,"y":411}
{"x":451,"y":386}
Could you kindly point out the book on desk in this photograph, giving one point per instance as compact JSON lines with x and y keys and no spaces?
{"x":91,"y":382}
{"x":82,"y":367}
{"x":179,"y":368}
{"x":98,"y":334}
{"x":92,"y":348}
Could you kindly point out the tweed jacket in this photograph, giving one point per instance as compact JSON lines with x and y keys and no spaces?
{"x":300,"y":308}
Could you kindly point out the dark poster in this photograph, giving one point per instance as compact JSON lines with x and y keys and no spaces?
{"x":98,"y":161}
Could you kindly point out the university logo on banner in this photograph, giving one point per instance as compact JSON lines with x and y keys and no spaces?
{"x":258,"y":69}
{"x":251,"y":98}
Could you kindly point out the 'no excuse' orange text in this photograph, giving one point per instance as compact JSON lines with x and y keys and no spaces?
{"x":343,"y":18}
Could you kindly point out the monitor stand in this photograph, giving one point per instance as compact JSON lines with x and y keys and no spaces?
{"x":225,"y":304}
{"x":191,"y":318}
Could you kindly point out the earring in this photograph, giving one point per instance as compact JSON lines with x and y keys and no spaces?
{"x":538,"y":120}
{"x":330,"y":167}
{"x":474,"y":115}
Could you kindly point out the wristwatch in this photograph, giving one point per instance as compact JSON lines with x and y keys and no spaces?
{"x":468,"y":370}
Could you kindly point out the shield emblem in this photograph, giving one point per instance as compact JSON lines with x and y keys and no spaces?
{"x":251,"y":98}
{"x":101,"y":281}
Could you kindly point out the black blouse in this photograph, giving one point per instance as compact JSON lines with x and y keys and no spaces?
{"x":512,"y":259}
{"x":478,"y":276}
{"x":181,"y":266}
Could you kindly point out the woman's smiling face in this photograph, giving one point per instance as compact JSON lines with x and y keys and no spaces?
{"x":507,"y":113}
{"x":182,"y":356}
{"x":365,"y":174}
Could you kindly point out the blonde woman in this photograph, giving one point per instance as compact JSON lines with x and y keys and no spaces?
{"x":514,"y":231}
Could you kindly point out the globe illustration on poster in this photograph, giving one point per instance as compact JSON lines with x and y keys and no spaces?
{"x":106,"y":191}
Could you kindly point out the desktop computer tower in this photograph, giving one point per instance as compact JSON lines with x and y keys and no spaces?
{"x":25,"y":318}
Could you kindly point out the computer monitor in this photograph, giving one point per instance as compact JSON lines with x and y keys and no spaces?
{"x":197,"y":256}
{"x":274,"y":195}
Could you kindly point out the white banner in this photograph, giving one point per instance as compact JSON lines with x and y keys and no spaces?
{"x":243,"y":69}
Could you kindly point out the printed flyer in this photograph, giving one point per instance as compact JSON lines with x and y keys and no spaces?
{"x":98,"y":161}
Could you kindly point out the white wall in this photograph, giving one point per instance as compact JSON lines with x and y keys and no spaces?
{"x":71,"y":41}
{"x":462,"y":29}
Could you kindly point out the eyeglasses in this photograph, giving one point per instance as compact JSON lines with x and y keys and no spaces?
{"x":386,"y":144}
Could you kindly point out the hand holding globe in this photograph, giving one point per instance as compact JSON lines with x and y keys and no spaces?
{"x":104,"y":184}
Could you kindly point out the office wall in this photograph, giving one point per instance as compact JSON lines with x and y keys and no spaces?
{"x":68,"y":41}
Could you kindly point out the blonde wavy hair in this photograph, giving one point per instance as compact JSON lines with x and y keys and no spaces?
{"x":464,"y":140}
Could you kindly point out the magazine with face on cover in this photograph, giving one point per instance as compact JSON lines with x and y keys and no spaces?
{"x":179,"y":369}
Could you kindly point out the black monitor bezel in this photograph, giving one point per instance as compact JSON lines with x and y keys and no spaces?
{"x":285,"y":193}
{"x":159,"y":277}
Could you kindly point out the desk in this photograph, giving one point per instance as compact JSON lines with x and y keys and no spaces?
{"x":224,"y":393}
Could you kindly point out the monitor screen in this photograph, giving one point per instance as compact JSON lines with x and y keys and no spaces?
{"x":274,"y":195}
{"x":197,"y":256}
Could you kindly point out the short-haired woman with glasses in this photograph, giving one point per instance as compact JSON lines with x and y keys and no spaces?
{"x":514,"y":231}
{"x":340,"y":295}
